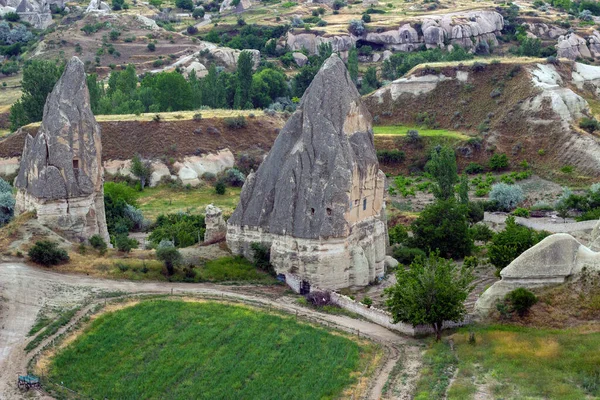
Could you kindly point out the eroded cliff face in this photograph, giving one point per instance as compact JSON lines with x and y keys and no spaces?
{"x":466,"y":29}
{"x":61,"y":174}
{"x":317,"y":199}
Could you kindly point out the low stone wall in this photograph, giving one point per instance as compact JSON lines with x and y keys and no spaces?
{"x":384,"y":318}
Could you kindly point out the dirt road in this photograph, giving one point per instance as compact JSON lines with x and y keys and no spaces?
{"x":24,"y":290}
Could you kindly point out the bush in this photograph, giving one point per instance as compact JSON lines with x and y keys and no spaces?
{"x":521,"y":212}
{"x":391,"y":156}
{"x":124,"y":243}
{"x":474,"y":168}
{"x":7,"y":202}
{"x":170,"y":256}
{"x":262,"y":257}
{"x":47,"y":253}
{"x":482,"y":232}
{"x":507,"y":197}
{"x":398,"y":234}
{"x":220,"y":188}
{"x":367,"y":301}
{"x":235,"y":122}
{"x":498,"y":162}
{"x":234,"y":177}
{"x":198,"y":13}
{"x":406,"y":255}
{"x":475,"y":211}
{"x":521,"y":300}
{"x":357,"y":27}
{"x":192,"y":30}
{"x":508,"y":244}
{"x":98,"y":243}
{"x":366,"y":18}
{"x":589,"y":124}
{"x":151,"y":47}
{"x":12,"y":16}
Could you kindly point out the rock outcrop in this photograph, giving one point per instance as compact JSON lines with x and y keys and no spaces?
{"x":556,"y":259}
{"x":572,"y":46}
{"x":98,"y":6}
{"x":464,"y":29}
{"x":241,"y":5}
{"x":317,"y":199}
{"x":61,"y":174}
{"x":224,"y":56}
{"x":35,"y":12}
{"x":216,"y":228}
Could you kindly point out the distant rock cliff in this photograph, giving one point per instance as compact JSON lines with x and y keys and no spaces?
{"x":61,"y":174}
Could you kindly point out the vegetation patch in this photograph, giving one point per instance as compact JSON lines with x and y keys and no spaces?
{"x":203,"y":350}
{"x":402,"y":130}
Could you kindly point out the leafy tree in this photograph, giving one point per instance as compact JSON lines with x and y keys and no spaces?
{"x":170,"y":90}
{"x":118,"y":5}
{"x":142,"y":169}
{"x":182,"y":229}
{"x":213,"y":89}
{"x":47,"y":253}
{"x":96,"y":91}
{"x":353,"y":64}
{"x":397,"y":234}
{"x":443,"y":226}
{"x":463,"y":189}
{"x":220,"y":188}
{"x":442,"y":167}
{"x":370,"y":81}
{"x":511,"y":242}
{"x":431,"y":291}
{"x":124,"y":243}
{"x":7,"y":202}
{"x":198,"y":13}
{"x":244,"y":80}
{"x":267,"y":85}
{"x":184,"y":4}
{"x":170,"y":256}
{"x":39,"y":78}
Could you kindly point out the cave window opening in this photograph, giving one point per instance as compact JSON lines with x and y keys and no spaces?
{"x":75,"y":163}
{"x":364,"y":204}
{"x":312,"y":211}
{"x":328,"y":211}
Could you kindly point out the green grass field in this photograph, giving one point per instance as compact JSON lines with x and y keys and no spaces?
{"x":184,"y":350}
{"x":516,"y":363}
{"x":164,"y":200}
{"x":402,"y":129}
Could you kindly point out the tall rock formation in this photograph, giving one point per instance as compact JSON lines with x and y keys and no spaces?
{"x":61,"y":175}
{"x":317,"y":199}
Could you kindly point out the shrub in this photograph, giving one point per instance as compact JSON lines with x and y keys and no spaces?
{"x":197,"y":117}
{"x":124,"y":243}
{"x":47,"y":253}
{"x":406,"y":255}
{"x":192,"y":30}
{"x":589,"y":124}
{"x":412,"y":136}
{"x":482,"y":232}
{"x":170,"y":256}
{"x":498,"y":162}
{"x":521,"y":212}
{"x":12,"y":16}
{"x":367,"y":301}
{"x":366,"y":18}
{"x":521,"y":300}
{"x":235,"y":122}
{"x":98,"y":243}
{"x":7,"y":202}
{"x":198,"y":13}
{"x":151,"y":47}
{"x":234,"y":177}
{"x":475,"y":211}
{"x":398,"y":234}
{"x":262,"y":257}
{"x":508,"y":244}
{"x":507,"y":197}
{"x":474,"y":168}
{"x":390,"y":156}
{"x":220,"y":188}
{"x":357,"y":27}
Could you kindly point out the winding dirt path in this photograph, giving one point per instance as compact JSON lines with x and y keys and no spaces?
{"x":24,"y":290}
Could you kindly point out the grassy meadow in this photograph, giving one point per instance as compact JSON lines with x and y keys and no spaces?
{"x":515,"y":363}
{"x":163,"y":200}
{"x":207,"y":350}
{"x":401,"y":130}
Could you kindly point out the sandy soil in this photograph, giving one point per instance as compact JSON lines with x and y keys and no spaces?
{"x":24,"y":290}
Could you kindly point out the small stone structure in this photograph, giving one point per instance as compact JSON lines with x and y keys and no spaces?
{"x":317,"y":199}
{"x":61,"y":174}
{"x":555,"y":260}
{"x":216,"y":228}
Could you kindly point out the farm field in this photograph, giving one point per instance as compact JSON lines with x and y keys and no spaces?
{"x":401,"y":130}
{"x":207,"y":350}
{"x":163,"y":200}
{"x":516,"y":362}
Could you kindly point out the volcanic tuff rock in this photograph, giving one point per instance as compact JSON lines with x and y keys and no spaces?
{"x":61,"y":174}
{"x":317,"y":199}
{"x":464,"y":29}
{"x":572,"y":46}
{"x":216,"y":228}
{"x":556,"y":259}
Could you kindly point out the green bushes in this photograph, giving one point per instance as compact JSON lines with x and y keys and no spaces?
{"x":262,"y":258}
{"x":482,"y":232}
{"x":589,"y":124}
{"x":220,"y":188}
{"x":170,"y":256}
{"x":511,"y":242}
{"x":474,"y":168}
{"x":406,"y":255}
{"x":235,"y":122}
{"x":391,"y":156}
{"x":182,"y":229}
{"x":397,"y":234}
{"x":47,"y":253}
{"x":124,"y":243}
{"x":521,"y":212}
{"x":98,"y":243}
{"x":498,"y":162}
{"x":521,"y":300}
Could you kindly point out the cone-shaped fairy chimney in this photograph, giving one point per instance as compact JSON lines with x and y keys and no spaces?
{"x":317,"y":200}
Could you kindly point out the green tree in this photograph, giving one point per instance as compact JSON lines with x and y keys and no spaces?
{"x":442,"y":167}
{"x":267,"y":85}
{"x":463,"y":189}
{"x":118,"y":4}
{"x":96,"y":90}
{"x":369,"y":82}
{"x":443,"y":226}
{"x":244,"y":80}
{"x":353,"y":64}
{"x":198,"y":13}
{"x":171,"y":91}
{"x":431,"y":291}
{"x":170,"y":256}
{"x":39,"y":78}
{"x":142,"y":169}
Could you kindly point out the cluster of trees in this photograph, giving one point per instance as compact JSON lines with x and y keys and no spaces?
{"x":7,"y":202}
{"x":171,"y":91}
{"x":402,"y":62}
{"x":263,"y":38}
